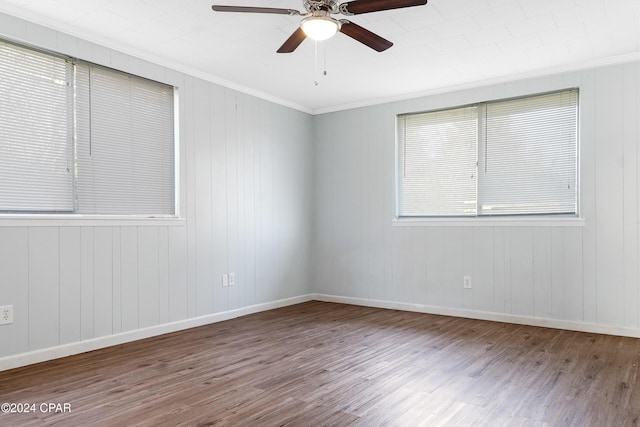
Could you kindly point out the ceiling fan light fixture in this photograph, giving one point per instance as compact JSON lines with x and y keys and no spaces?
{"x":320,"y":27}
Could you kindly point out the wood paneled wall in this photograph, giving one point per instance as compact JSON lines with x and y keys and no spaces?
{"x":295,"y":204}
{"x":245,"y":196}
{"x":583,"y":274}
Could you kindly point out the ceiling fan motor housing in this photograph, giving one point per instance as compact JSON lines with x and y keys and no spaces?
{"x":320,"y":25}
{"x":328,"y":6}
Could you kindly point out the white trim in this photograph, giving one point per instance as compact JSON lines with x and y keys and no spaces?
{"x":543,"y":221}
{"x":37,"y":356}
{"x":544,"y":72}
{"x":43,"y":355}
{"x":29,"y":16}
{"x":177,"y":146}
{"x":71,"y":220}
{"x":21,"y":13}
{"x":484,"y":315}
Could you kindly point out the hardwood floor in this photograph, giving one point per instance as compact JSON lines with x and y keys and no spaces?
{"x":318,"y":363}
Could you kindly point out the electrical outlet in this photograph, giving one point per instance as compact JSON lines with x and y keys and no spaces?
{"x":232,"y":279}
{"x":467,"y":282}
{"x":225,"y":280}
{"x":6,"y":315}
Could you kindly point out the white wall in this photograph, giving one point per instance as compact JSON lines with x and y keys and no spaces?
{"x":246,"y":196}
{"x":296,"y":204}
{"x":587,"y":275}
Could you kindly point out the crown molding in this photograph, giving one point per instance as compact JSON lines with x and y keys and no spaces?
{"x":109,"y":43}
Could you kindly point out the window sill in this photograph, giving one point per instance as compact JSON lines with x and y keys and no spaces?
{"x":541,"y":221}
{"x":61,"y":220}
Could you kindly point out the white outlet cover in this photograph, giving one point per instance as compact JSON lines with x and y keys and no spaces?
{"x":467,"y":282}
{"x":225,"y":280}
{"x":6,"y":314}
{"x":232,"y":279}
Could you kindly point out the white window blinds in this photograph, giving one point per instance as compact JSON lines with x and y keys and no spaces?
{"x":80,"y":138}
{"x":36,"y":173}
{"x":437,"y":163}
{"x":125,"y":147}
{"x":514,"y":157}
{"x":528,"y":156}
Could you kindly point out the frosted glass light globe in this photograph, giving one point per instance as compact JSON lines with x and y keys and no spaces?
{"x":319,"y":27}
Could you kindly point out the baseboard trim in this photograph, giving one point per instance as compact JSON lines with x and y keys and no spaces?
{"x":46,"y":354}
{"x":484,"y":315}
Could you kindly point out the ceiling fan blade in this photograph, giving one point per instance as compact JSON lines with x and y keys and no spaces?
{"x":364,"y":36}
{"x":293,"y":41}
{"x":219,"y":8}
{"x":365,"y":6}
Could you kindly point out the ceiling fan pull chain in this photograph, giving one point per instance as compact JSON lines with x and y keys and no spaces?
{"x":324,"y":53}
{"x":315,"y":62}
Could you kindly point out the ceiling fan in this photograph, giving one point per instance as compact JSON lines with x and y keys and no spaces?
{"x":318,"y":23}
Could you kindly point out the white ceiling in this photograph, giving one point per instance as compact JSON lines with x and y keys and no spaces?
{"x":440,"y":46}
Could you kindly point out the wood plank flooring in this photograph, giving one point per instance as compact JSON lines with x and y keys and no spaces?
{"x":324,"y":364}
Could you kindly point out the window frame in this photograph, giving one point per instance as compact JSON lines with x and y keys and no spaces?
{"x":53,"y":218}
{"x":547,"y":220}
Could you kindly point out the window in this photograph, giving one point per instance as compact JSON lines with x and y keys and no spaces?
{"x":35,"y":131}
{"x":125,"y":158}
{"x":83,"y":139}
{"x":511,"y":157}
